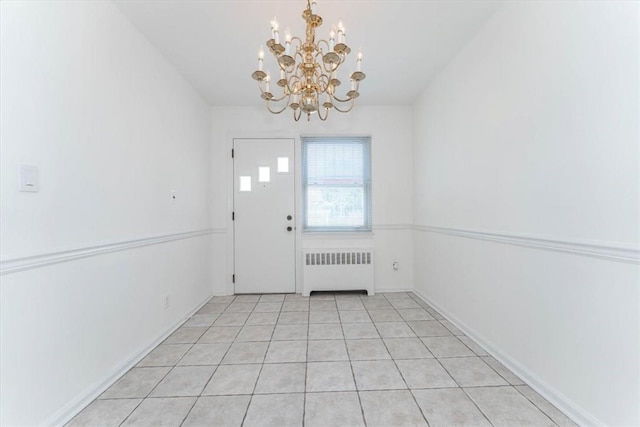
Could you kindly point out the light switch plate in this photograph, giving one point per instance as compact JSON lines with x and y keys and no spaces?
{"x":29,"y":179}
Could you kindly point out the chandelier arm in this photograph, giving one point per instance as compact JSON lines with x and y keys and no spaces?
{"x":336,"y":66}
{"x":298,"y":39}
{"x":279,"y":99}
{"x":295,"y":78}
{"x":326,"y":44}
{"x":325,"y":69}
{"x":317,"y":52}
{"x":298,"y":57}
{"x":299,"y":49}
{"x":262,"y":92}
{"x":343,"y":58}
{"x":348,"y":109}
{"x":323,"y":82}
{"x":330,"y":70}
{"x":320,"y":60}
{"x":268,"y":103}
{"x":326,"y":114}
{"x":292,"y":81}
{"x":342,"y":100}
{"x":287,"y":70}
{"x":357,"y":85}
{"x":296,"y":118}
{"x":281,"y":67}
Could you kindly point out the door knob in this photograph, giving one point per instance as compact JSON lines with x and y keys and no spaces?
{"x":289,"y":228}
{"x":289,"y":217}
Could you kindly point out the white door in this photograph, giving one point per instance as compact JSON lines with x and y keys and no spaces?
{"x":263,"y":209}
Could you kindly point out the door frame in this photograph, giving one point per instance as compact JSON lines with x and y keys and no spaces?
{"x":230,"y":286}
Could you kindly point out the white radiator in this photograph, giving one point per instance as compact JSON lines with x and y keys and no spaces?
{"x":337,"y":270}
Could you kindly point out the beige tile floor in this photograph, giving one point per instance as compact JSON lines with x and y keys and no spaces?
{"x":329,"y":360}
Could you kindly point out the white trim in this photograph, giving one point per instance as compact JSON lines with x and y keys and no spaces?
{"x":382,"y":227}
{"x":73,"y":408}
{"x":27,"y":263}
{"x":365,"y":142}
{"x":364,"y":234}
{"x":393,"y":290}
{"x":559,"y":400}
{"x":336,"y":135}
{"x":605,"y":250}
{"x":332,"y":235}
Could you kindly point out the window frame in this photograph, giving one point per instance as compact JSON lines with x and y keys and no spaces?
{"x":365,"y":142}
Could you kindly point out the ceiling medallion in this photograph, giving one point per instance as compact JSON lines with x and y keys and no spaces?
{"x":308,"y":70}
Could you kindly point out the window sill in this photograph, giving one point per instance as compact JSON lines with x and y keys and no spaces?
{"x":335,"y":235}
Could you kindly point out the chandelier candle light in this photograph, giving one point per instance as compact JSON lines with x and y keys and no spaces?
{"x":310,"y":71}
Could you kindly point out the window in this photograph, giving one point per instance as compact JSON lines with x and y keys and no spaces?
{"x":336,"y":181}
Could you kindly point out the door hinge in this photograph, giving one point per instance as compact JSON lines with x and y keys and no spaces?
{"x":233,"y":216}
{"x":232,"y":153}
{"x":233,"y":278}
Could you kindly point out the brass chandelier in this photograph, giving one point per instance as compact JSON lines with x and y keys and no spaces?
{"x":309,"y":71}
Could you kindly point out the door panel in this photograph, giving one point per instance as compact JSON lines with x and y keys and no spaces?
{"x":264,"y":208}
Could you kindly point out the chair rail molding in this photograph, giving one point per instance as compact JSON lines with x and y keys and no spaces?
{"x":611,"y":251}
{"x":30,"y":262}
{"x":377,"y":227}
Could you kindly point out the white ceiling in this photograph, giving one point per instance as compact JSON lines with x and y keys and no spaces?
{"x":214,"y":44}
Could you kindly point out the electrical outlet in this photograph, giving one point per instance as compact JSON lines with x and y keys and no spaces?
{"x":167,"y":301}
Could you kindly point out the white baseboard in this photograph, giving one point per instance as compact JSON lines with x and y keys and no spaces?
{"x":73,"y":408}
{"x":559,"y":400}
{"x":391,"y":290}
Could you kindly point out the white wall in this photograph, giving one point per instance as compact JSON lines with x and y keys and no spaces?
{"x":390,"y":130}
{"x":113,"y":129}
{"x":531,"y":134}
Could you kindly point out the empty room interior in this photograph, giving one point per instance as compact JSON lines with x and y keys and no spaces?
{"x":319,"y":213}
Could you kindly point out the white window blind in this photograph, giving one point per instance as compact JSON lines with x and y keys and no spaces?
{"x":336,"y":183}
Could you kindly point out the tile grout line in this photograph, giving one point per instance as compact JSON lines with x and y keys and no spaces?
{"x":482,"y":357}
{"x":246,"y":412}
{"x":509,"y":384}
{"x":465,"y":392}
{"x":534,"y":404}
{"x":127,"y":417}
{"x":399,"y":371}
{"x":353,"y":375}
{"x":462,"y":388}
{"x":306,"y":364}
{"x":162,"y":379}
{"x":167,"y":374}
{"x":214,"y":371}
{"x":312,"y":392}
{"x":228,"y":348}
{"x":393,"y":307}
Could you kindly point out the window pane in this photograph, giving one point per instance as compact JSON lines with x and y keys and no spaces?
{"x":335,"y":206}
{"x":245,"y":183}
{"x":264,"y":174}
{"x":339,"y":163}
{"x":283,"y":164}
{"x":337,"y":183}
